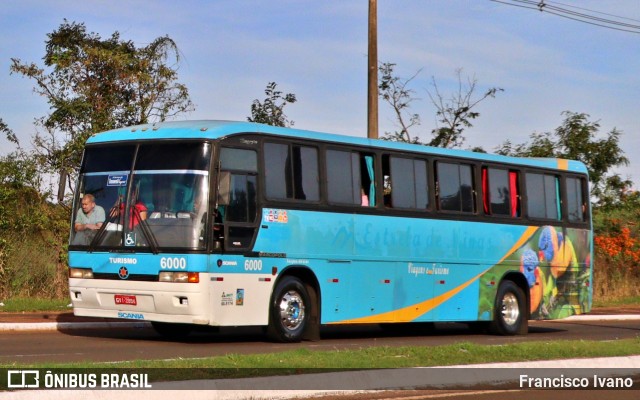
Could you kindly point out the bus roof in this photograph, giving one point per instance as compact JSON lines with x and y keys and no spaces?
{"x":214,"y":129}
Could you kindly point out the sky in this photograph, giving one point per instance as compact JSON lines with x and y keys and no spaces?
{"x":231,"y":49}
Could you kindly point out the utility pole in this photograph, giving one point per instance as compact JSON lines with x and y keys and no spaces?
{"x":372,"y":100}
{"x":62,"y":185}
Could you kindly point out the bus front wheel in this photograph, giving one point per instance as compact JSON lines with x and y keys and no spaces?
{"x":289,"y":311}
{"x":510,"y":312}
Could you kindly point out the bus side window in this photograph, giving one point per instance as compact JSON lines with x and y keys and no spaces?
{"x":543,"y":196}
{"x":350,"y":178}
{"x":455,"y":188}
{"x":576,"y":205}
{"x":291,"y":172}
{"x":237,"y":193}
{"x":409,"y":186}
{"x":242,"y":198}
{"x":500,"y":192}
{"x":343,"y":178}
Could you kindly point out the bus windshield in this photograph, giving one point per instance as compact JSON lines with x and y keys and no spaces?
{"x":151,"y":196}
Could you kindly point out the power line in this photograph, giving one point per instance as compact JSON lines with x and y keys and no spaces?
{"x":584,"y":15}
{"x":591,"y":17}
{"x":593,"y":11}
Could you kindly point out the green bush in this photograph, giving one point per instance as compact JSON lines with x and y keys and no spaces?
{"x":33,"y":238}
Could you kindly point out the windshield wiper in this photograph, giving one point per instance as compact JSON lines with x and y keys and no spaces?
{"x":146,"y":231}
{"x":113,"y":216}
{"x":101,"y":232}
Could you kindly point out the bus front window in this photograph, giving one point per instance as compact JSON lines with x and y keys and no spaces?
{"x":176,"y":209}
{"x":157,"y":201}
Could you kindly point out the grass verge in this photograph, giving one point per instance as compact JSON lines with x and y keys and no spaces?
{"x":625,"y":301}
{"x":308,"y":361}
{"x":27,"y":304}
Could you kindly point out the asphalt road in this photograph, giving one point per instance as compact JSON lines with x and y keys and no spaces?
{"x":114,"y":344}
{"x":122,"y":344}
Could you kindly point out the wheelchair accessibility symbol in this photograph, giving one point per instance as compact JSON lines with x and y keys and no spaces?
{"x":130,"y":239}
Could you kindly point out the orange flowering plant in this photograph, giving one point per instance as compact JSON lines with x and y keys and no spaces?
{"x":617,"y":254}
{"x":620,"y":245}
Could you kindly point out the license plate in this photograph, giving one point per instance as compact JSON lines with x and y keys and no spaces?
{"x":126,"y":299}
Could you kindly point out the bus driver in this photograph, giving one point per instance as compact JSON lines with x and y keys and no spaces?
{"x":89,"y":216}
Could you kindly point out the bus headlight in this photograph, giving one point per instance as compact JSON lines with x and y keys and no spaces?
{"x":81,"y":273}
{"x":180,"y":277}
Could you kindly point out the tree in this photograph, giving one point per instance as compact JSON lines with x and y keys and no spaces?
{"x":94,"y":84}
{"x":17,"y":169}
{"x":576,"y":139}
{"x":395,"y":92}
{"x":453,"y":114}
{"x":11,"y":136}
{"x":271,"y":110}
{"x":617,"y":193}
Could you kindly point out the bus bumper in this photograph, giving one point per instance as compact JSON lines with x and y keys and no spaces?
{"x":142,"y":301}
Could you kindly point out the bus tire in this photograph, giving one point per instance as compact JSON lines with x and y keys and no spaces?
{"x":172,"y":331}
{"x":289,"y":311}
{"x":510,"y":311}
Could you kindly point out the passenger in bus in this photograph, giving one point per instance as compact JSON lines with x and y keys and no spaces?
{"x":137,"y":213}
{"x":364,"y":198}
{"x":90,"y":216}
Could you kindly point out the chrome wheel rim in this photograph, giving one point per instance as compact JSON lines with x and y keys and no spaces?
{"x":510,"y":309}
{"x":292,"y":310}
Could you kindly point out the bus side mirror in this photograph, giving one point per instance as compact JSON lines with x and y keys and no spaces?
{"x":224,"y":188}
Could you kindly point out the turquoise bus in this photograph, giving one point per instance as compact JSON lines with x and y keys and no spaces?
{"x":218,"y":223}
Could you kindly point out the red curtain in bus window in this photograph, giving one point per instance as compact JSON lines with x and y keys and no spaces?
{"x":513,"y":192}
{"x":485,"y":190}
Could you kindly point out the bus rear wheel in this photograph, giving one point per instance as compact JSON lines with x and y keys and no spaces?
{"x":289,"y":311}
{"x":510,"y":311}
